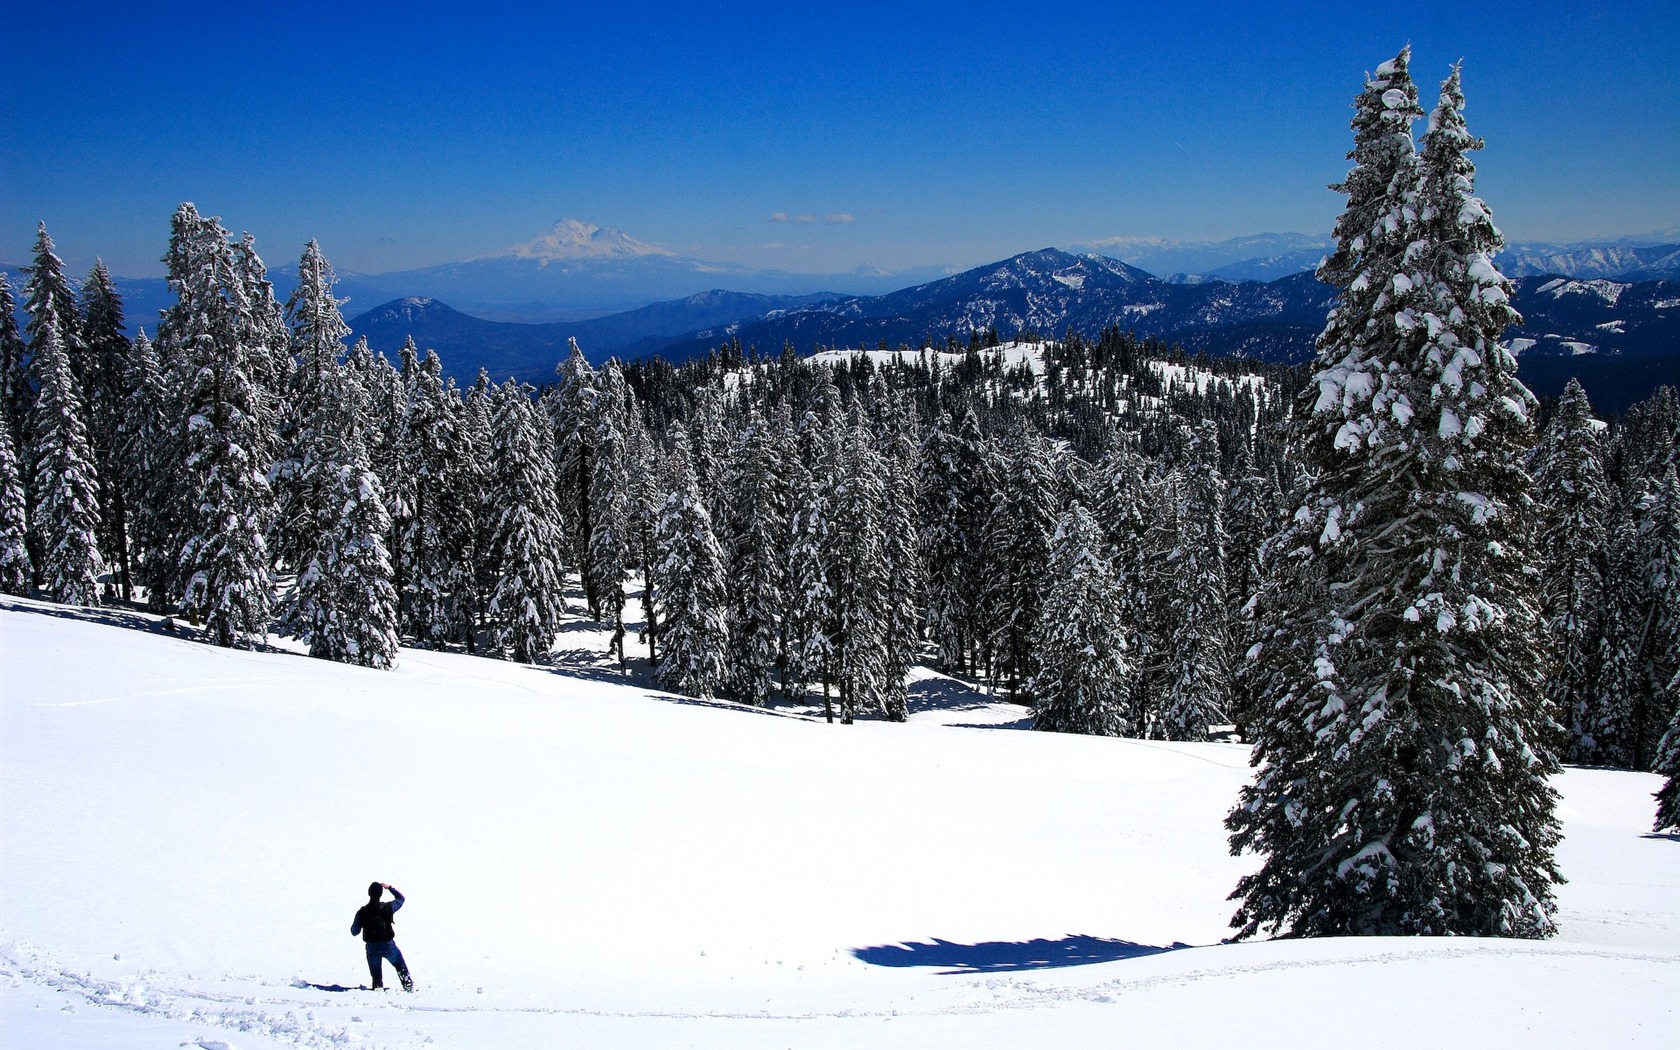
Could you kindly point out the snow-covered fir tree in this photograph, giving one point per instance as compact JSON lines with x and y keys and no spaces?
{"x":805,"y":645}
{"x":312,"y":409}
{"x":49,"y":296}
{"x":106,"y":400}
{"x":689,"y":580}
{"x":148,"y":448}
{"x":1668,"y":766}
{"x":66,"y":514}
{"x":267,"y":338}
{"x":856,"y":573}
{"x":1656,"y":645}
{"x":1120,"y":502}
{"x":439,"y":541}
{"x":477,"y":492}
{"x":757,"y":548}
{"x":1575,"y":501}
{"x":345,"y":601}
{"x":643,"y":500}
{"x":386,"y":393}
{"x":809,"y":651}
{"x":16,"y":571}
{"x":608,"y":551}
{"x":1083,"y":680}
{"x":17,"y":394}
{"x":225,"y":567}
{"x":1403,"y":752}
{"x":572,"y":411}
{"x":957,"y":482}
{"x":528,"y":596}
{"x":900,"y":560}
{"x":1189,"y":684}
{"x":1018,"y":531}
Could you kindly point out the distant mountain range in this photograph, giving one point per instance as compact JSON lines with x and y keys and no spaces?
{"x":1268,"y":256}
{"x":1625,"y":335}
{"x":1612,"y":311}
{"x":530,"y":351}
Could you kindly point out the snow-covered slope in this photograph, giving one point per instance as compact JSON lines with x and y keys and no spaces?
{"x":185,"y":832}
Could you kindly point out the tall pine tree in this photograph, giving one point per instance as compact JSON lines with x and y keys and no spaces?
{"x":1402,"y":758}
{"x":66,"y":483}
{"x":1082,"y":685}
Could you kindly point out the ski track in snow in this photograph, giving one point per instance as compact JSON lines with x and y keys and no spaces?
{"x":278,"y":1016}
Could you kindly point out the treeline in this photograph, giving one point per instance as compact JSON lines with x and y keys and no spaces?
{"x":1081,"y":527}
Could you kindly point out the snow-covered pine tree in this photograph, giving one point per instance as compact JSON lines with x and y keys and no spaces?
{"x":1083,"y":680}
{"x":856,"y":573}
{"x":957,"y":482}
{"x":805,"y":643}
{"x":757,"y":550}
{"x":1120,"y":503}
{"x":439,"y":539}
{"x":66,"y":483}
{"x":1189,"y":681}
{"x":16,"y":571}
{"x":310,"y":412}
{"x":477,"y":493}
{"x":17,"y":394}
{"x":688,"y":578}
{"x":1575,"y":500}
{"x":901,"y":558}
{"x":528,"y":597}
{"x":810,"y":650}
{"x":107,"y":401}
{"x":346,"y":604}
{"x":224,"y":561}
{"x":1017,"y":535}
{"x":1402,"y":758}
{"x":1658,"y":548}
{"x":608,"y":551}
{"x":572,"y":410}
{"x":267,"y":339}
{"x":1621,"y":685}
{"x":47,"y":293}
{"x":387,"y":406}
{"x":708,"y":444}
{"x":147,"y":449}
{"x":1668,"y":766}
{"x":642,"y":467}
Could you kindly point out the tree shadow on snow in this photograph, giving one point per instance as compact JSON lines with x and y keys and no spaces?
{"x":1006,"y":956}
{"x":129,"y":617}
{"x":1671,"y":836}
{"x":927,"y":695}
{"x":597,"y":666}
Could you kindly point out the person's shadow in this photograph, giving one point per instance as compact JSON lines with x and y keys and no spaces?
{"x":301,"y":983}
{"x":1005,"y":956}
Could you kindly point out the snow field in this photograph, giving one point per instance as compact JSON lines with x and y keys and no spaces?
{"x":186,"y":832}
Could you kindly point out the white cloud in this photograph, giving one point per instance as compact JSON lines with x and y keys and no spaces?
{"x":838,"y":218}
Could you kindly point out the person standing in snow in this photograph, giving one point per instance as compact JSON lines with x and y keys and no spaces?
{"x":376,"y":923}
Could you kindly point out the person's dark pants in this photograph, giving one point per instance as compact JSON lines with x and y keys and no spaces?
{"x":377,"y":950}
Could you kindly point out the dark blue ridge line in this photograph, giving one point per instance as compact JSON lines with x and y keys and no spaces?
{"x":1004,"y":956}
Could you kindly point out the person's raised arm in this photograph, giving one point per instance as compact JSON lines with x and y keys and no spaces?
{"x":396,"y":896}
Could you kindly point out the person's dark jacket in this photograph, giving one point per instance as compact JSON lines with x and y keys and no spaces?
{"x":376,"y":920}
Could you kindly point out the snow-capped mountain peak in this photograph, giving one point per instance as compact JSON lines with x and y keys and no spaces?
{"x":574,"y":239}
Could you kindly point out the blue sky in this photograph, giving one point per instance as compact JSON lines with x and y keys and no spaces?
{"x":410,"y":134}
